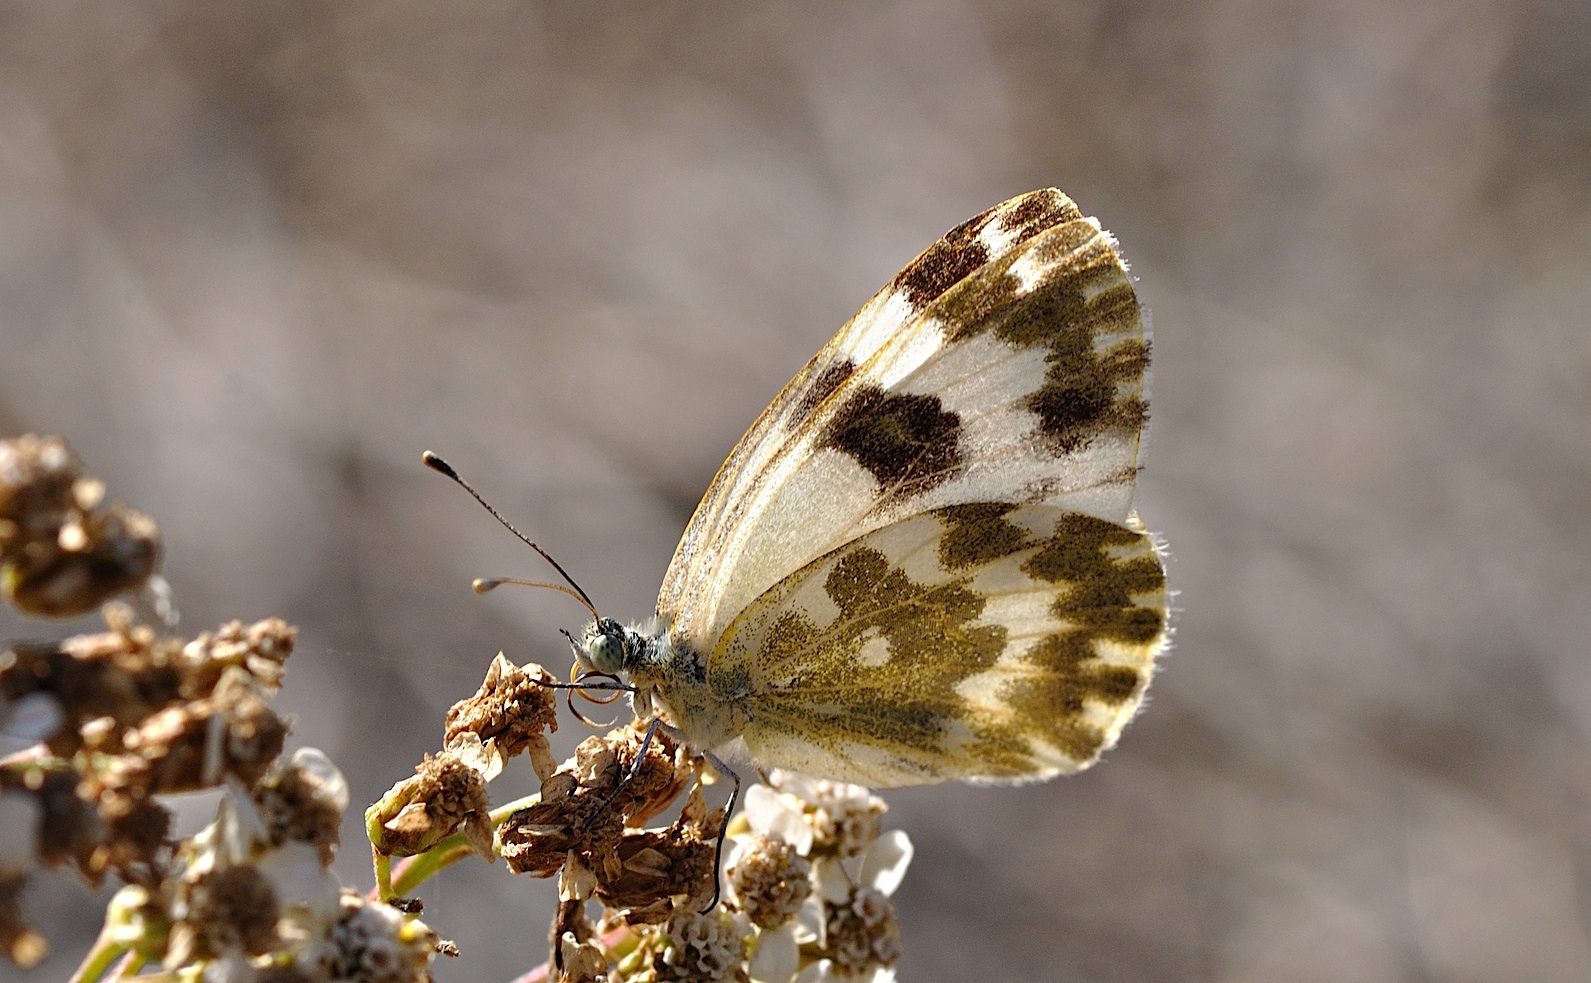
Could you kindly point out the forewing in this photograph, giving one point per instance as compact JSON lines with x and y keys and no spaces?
{"x":1007,"y":363}
{"x":983,"y":641}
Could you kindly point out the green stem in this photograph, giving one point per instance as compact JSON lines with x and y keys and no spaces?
{"x":99,"y":959}
{"x":383,"y":863}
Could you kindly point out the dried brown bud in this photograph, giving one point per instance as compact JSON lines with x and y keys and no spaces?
{"x":60,"y":554}
{"x":447,"y":792}
{"x":190,"y":746}
{"x":512,"y":712}
{"x":570,"y":818}
{"x":259,"y":649}
{"x":586,"y":805}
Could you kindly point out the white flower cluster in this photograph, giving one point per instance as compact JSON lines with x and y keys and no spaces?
{"x":791,"y":873}
{"x":252,"y":865}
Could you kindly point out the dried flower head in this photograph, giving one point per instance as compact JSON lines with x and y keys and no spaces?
{"x":61,"y":554}
{"x":512,"y":713}
{"x":586,"y":804}
{"x":446,"y":794}
{"x":302,"y":800}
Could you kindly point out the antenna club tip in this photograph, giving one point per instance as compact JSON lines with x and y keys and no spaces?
{"x":483,"y":585}
{"x":435,"y":463}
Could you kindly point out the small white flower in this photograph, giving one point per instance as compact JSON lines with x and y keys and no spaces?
{"x":885,"y":860}
{"x":777,"y":956}
{"x":775,"y":815}
{"x":301,"y":883}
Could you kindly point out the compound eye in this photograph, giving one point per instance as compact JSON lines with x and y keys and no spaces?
{"x":607,"y":653}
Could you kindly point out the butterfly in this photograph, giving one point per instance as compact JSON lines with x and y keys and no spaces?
{"x":922,"y":562}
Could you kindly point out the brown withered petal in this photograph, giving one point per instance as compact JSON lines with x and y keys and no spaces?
{"x":513,"y":709}
{"x":538,"y":839}
{"x":446,"y":793}
{"x":665,"y":772}
{"x":580,"y":962}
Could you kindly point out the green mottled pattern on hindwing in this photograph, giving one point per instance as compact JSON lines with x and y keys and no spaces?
{"x":885,"y":667}
{"x":977,"y":533}
{"x":1097,"y":605}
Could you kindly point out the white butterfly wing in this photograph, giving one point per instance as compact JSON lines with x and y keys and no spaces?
{"x":1008,"y":363}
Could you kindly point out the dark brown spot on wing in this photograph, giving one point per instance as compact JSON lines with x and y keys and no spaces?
{"x":1079,"y":554}
{"x":902,"y":439}
{"x":1034,"y":212}
{"x":822,"y":388}
{"x":1083,"y":294}
{"x":962,"y":251}
{"x":942,"y":266}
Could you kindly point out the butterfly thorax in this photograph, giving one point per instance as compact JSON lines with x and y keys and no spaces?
{"x":669,"y":676}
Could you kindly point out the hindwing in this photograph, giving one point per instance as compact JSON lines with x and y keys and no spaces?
{"x":981,"y":641}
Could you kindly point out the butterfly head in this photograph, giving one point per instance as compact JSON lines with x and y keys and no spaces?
{"x":605,"y":647}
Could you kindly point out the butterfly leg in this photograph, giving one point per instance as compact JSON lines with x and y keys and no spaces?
{"x":723,"y":825}
{"x":722,"y":768}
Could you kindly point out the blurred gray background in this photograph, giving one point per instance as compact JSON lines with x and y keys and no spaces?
{"x":256,"y":257}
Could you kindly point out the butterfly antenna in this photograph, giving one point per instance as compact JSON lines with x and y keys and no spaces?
{"x":440,"y":466}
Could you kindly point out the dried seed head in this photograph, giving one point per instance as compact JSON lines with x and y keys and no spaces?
{"x":302,"y":801}
{"x":60,"y":554}
{"x":259,"y":649}
{"x":656,"y":870}
{"x":447,"y":793}
{"x":512,"y":713}
{"x":194,"y":745}
{"x":586,"y":805}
